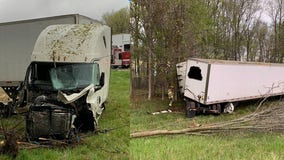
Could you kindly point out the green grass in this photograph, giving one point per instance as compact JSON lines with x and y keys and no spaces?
{"x":231,"y":145}
{"x":140,"y":120}
{"x":111,"y":145}
{"x":182,"y":147}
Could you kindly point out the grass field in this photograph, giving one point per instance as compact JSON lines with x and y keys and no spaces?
{"x":111,"y":145}
{"x":229,"y":145}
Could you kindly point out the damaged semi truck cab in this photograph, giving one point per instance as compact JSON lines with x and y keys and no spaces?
{"x":67,"y":82}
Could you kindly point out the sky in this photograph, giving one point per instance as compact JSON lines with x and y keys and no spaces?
{"x":14,"y":10}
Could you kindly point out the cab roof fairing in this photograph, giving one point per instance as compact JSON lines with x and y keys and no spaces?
{"x":73,"y":43}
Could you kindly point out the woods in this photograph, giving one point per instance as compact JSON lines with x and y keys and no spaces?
{"x":117,"y":20}
{"x":166,"y":32}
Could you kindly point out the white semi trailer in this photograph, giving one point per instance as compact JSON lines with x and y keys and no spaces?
{"x":17,"y":41}
{"x":215,"y":85}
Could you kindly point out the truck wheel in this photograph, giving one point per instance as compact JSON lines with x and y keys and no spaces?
{"x":190,"y":113}
{"x":190,"y":110}
{"x":229,"y":108}
{"x":190,"y":105}
{"x":219,"y":108}
{"x":216,"y":108}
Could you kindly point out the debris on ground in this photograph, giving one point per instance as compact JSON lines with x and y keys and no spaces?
{"x":9,"y":145}
{"x":159,"y":112}
{"x":264,"y":119}
{"x":169,"y":110}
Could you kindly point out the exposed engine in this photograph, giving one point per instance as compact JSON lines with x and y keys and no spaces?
{"x":49,"y":118}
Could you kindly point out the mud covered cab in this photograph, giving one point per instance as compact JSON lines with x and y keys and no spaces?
{"x":67,"y":83}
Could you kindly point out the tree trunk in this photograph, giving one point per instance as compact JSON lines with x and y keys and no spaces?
{"x":149,"y":74}
{"x":131,"y":87}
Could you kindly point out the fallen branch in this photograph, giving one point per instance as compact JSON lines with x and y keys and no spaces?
{"x":261,"y":120}
{"x":211,"y":129}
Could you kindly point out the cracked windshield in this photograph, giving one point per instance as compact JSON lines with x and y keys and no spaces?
{"x":75,"y":76}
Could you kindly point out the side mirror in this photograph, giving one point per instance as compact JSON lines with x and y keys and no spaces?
{"x":27,"y":80}
{"x":102,"y":79}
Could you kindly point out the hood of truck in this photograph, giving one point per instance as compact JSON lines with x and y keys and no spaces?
{"x":94,"y":98}
{"x":72,"y":43}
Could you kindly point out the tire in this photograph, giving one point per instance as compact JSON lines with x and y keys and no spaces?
{"x":229,"y":108}
{"x":190,"y":113}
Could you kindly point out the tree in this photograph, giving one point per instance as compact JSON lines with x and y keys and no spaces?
{"x":276,"y":14}
{"x":118,"y":21}
{"x":166,"y":32}
{"x":261,"y":37}
{"x":158,"y":26}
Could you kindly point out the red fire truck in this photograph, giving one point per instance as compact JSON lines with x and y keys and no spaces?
{"x":120,"y":59}
{"x":120,"y":51}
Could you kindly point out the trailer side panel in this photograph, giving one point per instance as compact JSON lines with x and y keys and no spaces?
{"x":216,"y":81}
{"x":235,"y":82}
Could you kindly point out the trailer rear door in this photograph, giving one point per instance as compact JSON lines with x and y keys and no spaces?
{"x":196,"y":80}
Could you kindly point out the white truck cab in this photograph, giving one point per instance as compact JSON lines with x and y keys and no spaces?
{"x":67,"y":82}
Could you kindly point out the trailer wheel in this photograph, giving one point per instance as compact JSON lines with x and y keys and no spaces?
{"x":190,"y":110}
{"x":219,"y":108}
{"x":229,"y":108}
{"x":190,"y":113}
{"x":190,"y":105}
